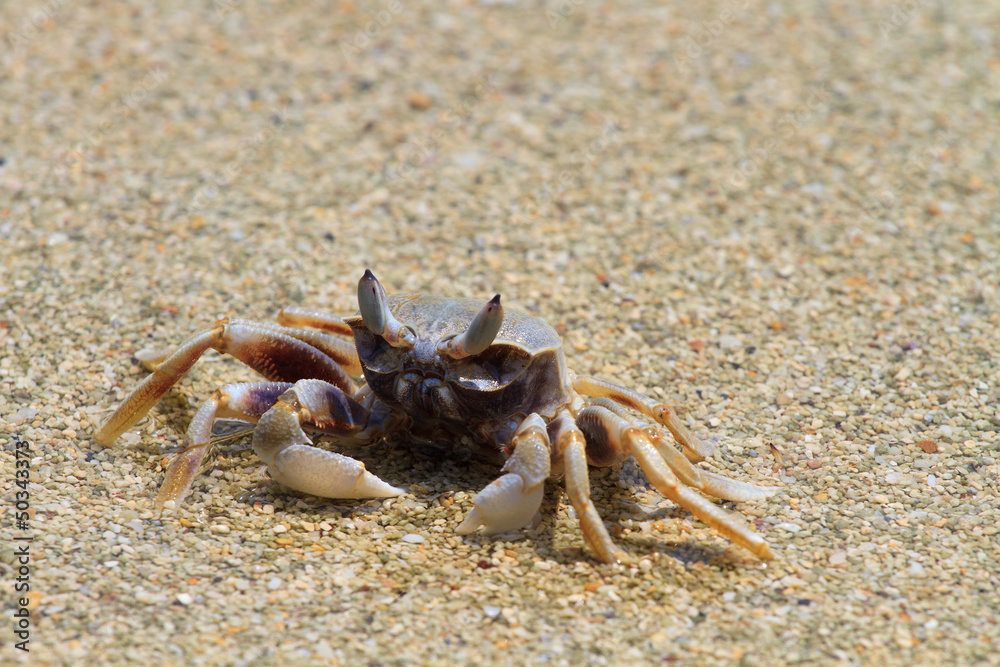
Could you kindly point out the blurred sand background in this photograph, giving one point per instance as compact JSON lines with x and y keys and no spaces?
{"x":781,"y":217}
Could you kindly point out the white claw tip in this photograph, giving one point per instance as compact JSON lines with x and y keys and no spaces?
{"x":471,"y":524}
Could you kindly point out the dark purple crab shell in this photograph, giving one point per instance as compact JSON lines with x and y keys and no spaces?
{"x":523,"y":371}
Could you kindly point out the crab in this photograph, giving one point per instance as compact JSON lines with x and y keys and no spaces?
{"x":429,"y":370}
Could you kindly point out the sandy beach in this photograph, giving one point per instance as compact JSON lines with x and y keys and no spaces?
{"x":780,"y":218}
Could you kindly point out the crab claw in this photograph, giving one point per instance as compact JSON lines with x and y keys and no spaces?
{"x":511,"y":501}
{"x":480,"y":334}
{"x":291,"y":457}
{"x":503,"y":506}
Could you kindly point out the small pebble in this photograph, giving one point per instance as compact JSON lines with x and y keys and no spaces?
{"x":491,"y":611}
{"x":24,"y":414}
{"x":729,"y":342}
{"x":324,"y":651}
{"x":418,"y":100}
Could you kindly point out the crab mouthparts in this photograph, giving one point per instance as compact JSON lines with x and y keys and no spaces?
{"x":423,"y":373}
{"x":428,"y":394}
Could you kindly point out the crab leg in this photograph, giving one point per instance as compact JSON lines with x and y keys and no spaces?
{"x":703,"y":480}
{"x":341,"y":351}
{"x":291,"y":457}
{"x":293,"y":316}
{"x":246,"y":401}
{"x":512,"y":500}
{"x":606,"y":430}
{"x":694,"y":448}
{"x":571,"y":448}
{"x":277,"y":353}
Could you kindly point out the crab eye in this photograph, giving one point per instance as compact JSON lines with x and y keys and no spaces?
{"x":484,"y":327}
{"x":372,"y":303}
{"x":374,"y":307}
{"x":480,"y":334}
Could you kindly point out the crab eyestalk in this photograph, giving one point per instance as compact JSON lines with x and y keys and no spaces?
{"x":374,"y":307}
{"x":480,"y":334}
